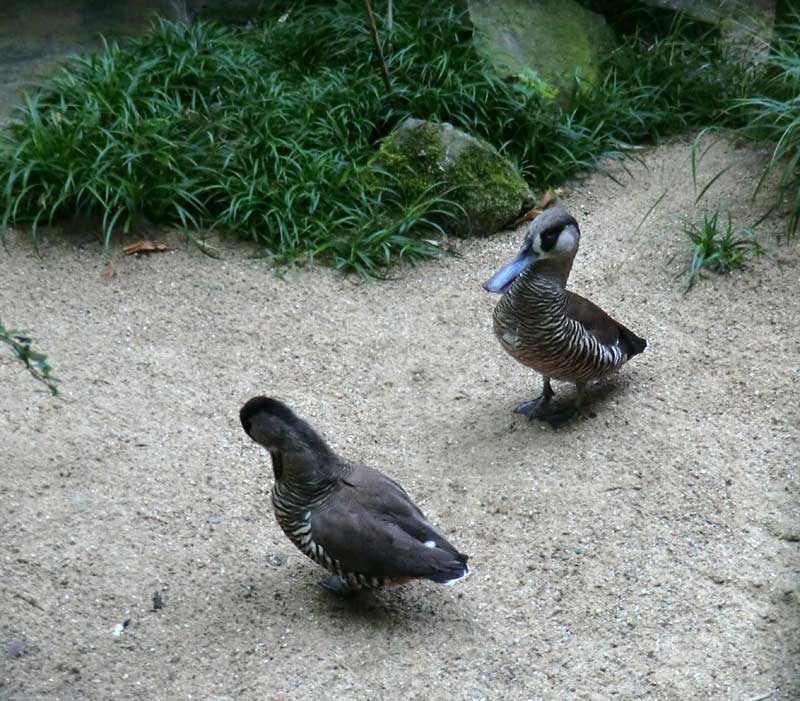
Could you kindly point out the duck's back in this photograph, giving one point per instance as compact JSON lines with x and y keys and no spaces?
{"x":604,"y":328}
{"x":375,"y":532}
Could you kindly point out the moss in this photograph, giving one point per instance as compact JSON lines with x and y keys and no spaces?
{"x":552,"y":37}
{"x":487,"y":187}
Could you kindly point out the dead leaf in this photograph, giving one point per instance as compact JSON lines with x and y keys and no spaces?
{"x":444,"y":245}
{"x":545,"y":200}
{"x":146,"y":247}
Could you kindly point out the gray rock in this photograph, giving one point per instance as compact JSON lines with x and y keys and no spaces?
{"x":550,"y":39}
{"x":486,"y":186}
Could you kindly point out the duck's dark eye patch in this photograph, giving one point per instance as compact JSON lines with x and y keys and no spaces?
{"x":549,"y":239}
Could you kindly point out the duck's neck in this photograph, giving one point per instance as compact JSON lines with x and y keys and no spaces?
{"x":551,"y":272}
{"x":541,"y":284}
{"x":306,"y":470}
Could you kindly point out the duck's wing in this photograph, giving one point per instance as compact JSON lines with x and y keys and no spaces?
{"x":600,"y":325}
{"x":371,"y":526}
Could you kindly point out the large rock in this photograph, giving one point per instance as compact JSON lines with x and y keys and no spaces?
{"x":552,"y":38}
{"x":487,"y":186}
{"x":747,"y":24}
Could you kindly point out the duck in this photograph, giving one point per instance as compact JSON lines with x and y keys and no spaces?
{"x":550,"y":329}
{"x":356,"y":522}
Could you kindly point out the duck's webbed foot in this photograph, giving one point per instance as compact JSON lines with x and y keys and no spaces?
{"x":337,"y":585}
{"x":541,"y":406}
{"x":557,"y":416}
{"x":545,"y":409}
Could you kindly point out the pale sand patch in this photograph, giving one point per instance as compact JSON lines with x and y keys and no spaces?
{"x":648,"y":553}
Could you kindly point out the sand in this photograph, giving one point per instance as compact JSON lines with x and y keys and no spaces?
{"x":650,"y":552}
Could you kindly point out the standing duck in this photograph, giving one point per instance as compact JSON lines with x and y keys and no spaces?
{"x":544,"y":326}
{"x":354,"y":521}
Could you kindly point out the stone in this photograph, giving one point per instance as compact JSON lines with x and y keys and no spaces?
{"x":745,"y":24}
{"x":424,"y":155}
{"x":551,"y":39}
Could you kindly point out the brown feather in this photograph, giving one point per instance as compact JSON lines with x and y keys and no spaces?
{"x":372,"y":527}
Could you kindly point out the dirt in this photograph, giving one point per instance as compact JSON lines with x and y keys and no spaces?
{"x":650,"y":552}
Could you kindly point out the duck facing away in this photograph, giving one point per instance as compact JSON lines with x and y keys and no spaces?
{"x":544,"y":326}
{"x":353,"y":520}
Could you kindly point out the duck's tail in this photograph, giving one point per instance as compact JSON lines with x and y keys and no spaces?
{"x":632,"y":343}
{"x":456,"y":570}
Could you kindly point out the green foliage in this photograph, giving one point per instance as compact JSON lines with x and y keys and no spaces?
{"x":35,"y":361}
{"x":771,"y":114}
{"x":718,"y":248}
{"x":660,"y":86}
{"x":267,"y":132}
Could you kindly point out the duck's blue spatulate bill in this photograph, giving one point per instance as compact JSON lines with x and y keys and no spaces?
{"x":502,"y":279}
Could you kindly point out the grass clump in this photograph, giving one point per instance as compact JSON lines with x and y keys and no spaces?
{"x":717,"y":247}
{"x":267,"y":132}
{"x":35,"y":362}
{"x":771,"y":114}
{"x":221,"y":128}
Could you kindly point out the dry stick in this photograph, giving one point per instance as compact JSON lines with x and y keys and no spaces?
{"x":389,"y":26}
{"x":27,"y":599}
{"x":374,"y":31}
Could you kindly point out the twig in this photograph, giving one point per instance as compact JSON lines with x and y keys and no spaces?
{"x":27,"y":599}
{"x":389,"y":21}
{"x":376,"y":40}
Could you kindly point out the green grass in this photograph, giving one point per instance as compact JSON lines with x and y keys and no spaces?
{"x":266,"y":133}
{"x":34,"y":361}
{"x":717,"y":247}
{"x":772,"y":116}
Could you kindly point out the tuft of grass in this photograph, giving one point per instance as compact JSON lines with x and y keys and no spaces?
{"x":772,"y":115}
{"x":717,"y":247}
{"x":35,"y":362}
{"x":267,"y":132}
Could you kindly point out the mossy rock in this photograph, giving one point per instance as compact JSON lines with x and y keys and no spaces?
{"x":551,"y":38}
{"x":487,"y":187}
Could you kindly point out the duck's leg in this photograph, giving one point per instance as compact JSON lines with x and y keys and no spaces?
{"x":562,"y":414}
{"x":337,"y":585}
{"x":540,"y":406}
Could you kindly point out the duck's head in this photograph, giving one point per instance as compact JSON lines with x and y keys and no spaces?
{"x":291,"y":441}
{"x":553,"y":237}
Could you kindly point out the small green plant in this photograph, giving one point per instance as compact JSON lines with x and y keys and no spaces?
{"x":718,"y":248}
{"x":35,"y":361}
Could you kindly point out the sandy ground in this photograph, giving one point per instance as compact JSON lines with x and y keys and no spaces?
{"x":648,"y":553}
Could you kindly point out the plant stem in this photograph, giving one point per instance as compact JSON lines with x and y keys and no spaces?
{"x":389,"y":20}
{"x":376,"y":40}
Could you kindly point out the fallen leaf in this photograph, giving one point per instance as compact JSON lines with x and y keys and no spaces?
{"x":145,"y":247}
{"x":545,"y":200}
{"x":444,"y":245}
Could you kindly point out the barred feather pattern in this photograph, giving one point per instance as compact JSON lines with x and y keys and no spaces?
{"x":531,"y":323}
{"x":293,"y":505}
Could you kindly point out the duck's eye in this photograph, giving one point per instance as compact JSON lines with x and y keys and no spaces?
{"x":549,"y":239}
